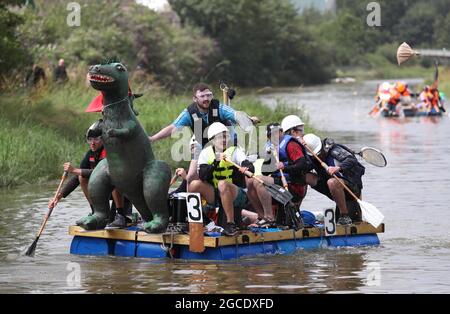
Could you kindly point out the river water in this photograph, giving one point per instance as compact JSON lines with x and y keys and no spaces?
{"x":412,"y":192}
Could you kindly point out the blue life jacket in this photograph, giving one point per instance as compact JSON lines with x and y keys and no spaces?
{"x":283,"y":155}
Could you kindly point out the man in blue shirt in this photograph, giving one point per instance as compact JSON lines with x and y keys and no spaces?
{"x":204,"y":111}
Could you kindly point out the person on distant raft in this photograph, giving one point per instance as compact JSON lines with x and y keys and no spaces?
{"x":400,"y":96}
{"x":220,"y":182}
{"x":198,"y":116}
{"x":342,"y":162}
{"x":81,"y":177}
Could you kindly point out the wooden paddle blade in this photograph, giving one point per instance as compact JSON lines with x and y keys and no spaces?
{"x":404,"y":53}
{"x":371,"y":214}
{"x":278,"y":193}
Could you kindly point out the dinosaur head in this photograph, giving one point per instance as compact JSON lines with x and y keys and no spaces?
{"x":110,"y":78}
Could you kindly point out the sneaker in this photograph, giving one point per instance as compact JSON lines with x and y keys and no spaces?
{"x":118,"y":223}
{"x":230,"y":229}
{"x":344,"y":220}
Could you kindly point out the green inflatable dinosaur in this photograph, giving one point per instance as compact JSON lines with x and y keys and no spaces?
{"x":130,"y":164}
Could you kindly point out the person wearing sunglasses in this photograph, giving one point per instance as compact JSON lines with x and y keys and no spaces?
{"x":81,"y":178}
{"x":198,"y":116}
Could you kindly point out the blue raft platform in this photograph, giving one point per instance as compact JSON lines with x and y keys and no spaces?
{"x":132,"y":243}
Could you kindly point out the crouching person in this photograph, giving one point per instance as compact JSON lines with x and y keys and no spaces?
{"x":81,"y":177}
{"x":220,"y":181}
{"x":341,"y":162}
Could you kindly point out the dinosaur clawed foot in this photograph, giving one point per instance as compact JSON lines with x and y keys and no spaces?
{"x":157,"y":225}
{"x":92,"y":222}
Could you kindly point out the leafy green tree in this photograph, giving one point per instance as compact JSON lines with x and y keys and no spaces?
{"x":442,"y":30}
{"x":174,"y":56}
{"x":262,"y":42}
{"x":417,"y":26}
{"x":12,"y":54}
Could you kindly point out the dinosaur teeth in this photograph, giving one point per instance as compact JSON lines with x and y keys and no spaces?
{"x":100,"y":78}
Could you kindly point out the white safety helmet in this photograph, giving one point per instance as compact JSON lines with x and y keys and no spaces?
{"x":385,"y":87}
{"x":290,"y":122}
{"x":313,"y":142}
{"x":216,"y":128}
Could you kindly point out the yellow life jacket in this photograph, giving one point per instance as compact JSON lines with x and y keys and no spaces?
{"x":224,"y":171}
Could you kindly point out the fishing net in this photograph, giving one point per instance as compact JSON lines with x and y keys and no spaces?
{"x":244,"y":121}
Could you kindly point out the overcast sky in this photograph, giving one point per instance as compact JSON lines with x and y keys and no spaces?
{"x":153,"y":4}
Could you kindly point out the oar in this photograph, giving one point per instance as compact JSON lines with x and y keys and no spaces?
{"x":289,"y":209}
{"x":404,"y":53}
{"x":174,"y":179}
{"x":32,"y":248}
{"x":277,"y":192}
{"x":369,"y":212}
{"x":375,"y":108}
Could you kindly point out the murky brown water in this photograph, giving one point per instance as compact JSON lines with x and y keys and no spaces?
{"x":412,"y":192}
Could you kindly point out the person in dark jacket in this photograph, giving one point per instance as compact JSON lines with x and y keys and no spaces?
{"x":35,"y":76}
{"x":60,"y":73}
{"x":341,"y":162}
{"x":81,"y":178}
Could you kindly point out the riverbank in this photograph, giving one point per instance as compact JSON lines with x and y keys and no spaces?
{"x":42,"y":129}
{"x":386,"y":71}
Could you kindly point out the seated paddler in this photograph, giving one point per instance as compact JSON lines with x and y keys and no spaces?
{"x":221,"y":183}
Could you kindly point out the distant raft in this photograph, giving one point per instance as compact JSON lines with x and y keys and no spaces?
{"x":134,"y":243}
{"x":409,"y":113}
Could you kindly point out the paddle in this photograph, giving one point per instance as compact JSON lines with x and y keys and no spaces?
{"x":277,"y":192}
{"x":405,"y":52}
{"x":289,"y":209}
{"x":375,"y":108}
{"x":373,"y":156}
{"x":32,"y":248}
{"x":369,"y":212}
{"x":173,"y":180}
{"x":244,"y":121}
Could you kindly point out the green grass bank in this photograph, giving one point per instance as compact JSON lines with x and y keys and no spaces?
{"x":43,"y":128}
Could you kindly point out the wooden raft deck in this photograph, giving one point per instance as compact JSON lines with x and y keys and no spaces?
{"x":245,"y":237}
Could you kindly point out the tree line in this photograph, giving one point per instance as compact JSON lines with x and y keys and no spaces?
{"x":244,"y":42}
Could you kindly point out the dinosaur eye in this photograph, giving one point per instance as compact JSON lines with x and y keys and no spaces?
{"x":120,"y":68}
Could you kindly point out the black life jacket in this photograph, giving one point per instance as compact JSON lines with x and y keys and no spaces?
{"x":198,"y":124}
{"x":341,"y":152}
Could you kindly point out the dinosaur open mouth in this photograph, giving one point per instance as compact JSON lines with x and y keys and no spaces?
{"x":100,"y":78}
